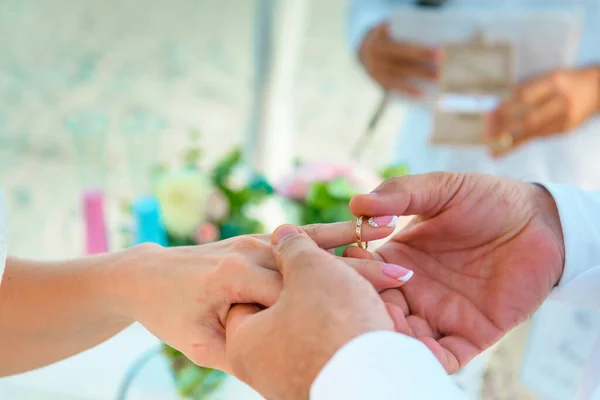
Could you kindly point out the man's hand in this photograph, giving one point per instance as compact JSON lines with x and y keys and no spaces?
{"x":486,"y":251}
{"x":324,"y":304}
{"x":396,"y":65}
{"x":552,"y":104}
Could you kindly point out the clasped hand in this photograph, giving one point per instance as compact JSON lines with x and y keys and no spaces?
{"x":485,"y":252}
{"x":273,"y":310}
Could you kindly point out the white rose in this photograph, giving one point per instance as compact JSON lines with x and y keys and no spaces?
{"x":182,"y":195}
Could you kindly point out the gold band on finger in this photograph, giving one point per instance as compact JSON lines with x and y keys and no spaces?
{"x":359,"y":241}
{"x":503,"y":143}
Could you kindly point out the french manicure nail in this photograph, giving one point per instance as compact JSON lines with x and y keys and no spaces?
{"x":388,"y":221}
{"x":397,"y":272}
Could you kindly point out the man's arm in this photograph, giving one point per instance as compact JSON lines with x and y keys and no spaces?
{"x":384,"y":365}
{"x":579,"y":213}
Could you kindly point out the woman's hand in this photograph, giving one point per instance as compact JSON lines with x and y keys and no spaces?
{"x":52,"y":310}
{"x":548,"y":105}
{"x":396,"y":65}
{"x":183,"y":294}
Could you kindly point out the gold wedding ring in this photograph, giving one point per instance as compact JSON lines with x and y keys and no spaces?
{"x":503,"y":143}
{"x":359,"y":242}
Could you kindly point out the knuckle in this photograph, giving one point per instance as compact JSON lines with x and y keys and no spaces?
{"x":530,"y":123}
{"x":231,"y":264}
{"x":289,"y":246}
{"x":295,"y":250}
{"x":566,"y":102}
{"x":390,"y":185}
{"x":362,"y":265}
{"x":313,"y":230}
{"x":242,"y":244}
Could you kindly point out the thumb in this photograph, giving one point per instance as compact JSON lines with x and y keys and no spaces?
{"x":239,"y":331}
{"x":425,"y":195}
{"x":295,"y":251}
{"x":237,"y":315}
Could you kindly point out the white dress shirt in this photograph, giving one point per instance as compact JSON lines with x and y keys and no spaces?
{"x":535,"y":161}
{"x":386,"y":365}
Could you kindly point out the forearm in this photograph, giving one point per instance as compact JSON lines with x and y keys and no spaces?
{"x":52,"y":310}
{"x":596,"y":70}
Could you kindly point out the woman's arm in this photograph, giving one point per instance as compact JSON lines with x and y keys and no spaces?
{"x":52,"y":310}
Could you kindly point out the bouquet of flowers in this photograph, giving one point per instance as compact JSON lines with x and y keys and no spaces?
{"x":198,"y":207}
{"x":320,"y":192}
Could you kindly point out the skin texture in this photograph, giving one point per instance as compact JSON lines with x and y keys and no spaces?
{"x":323,"y":305}
{"x":52,"y":310}
{"x":395,"y":65}
{"x":551,"y":104}
{"x":486,"y":252}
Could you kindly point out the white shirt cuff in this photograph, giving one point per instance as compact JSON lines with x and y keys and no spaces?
{"x":363,"y":18}
{"x":384,"y":365}
{"x":579,"y":213}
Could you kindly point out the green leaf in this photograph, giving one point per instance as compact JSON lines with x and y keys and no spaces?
{"x":340,"y":188}
{"x":318,"y":195}
{"x":394,"y":171}
{"x":159,"y":169}
{"x":259,"y":184}
{"x":336,"y":213}
{"x":125,"y":207}
{"x":189,"y":378}
{"x":176,"y":241}
{"x":224,"y":167}
{"x":340,"y":250}
{"x":230,"y":230}
{"x":195,"y":135}
{"x":192,"y":156}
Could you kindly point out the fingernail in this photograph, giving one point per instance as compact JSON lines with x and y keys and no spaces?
{"x":373,"y":195}
{"x":284,"y":231}
{"x":397,"y":272}
{"x":388,"y":221}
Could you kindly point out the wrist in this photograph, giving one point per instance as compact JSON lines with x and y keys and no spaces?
{"x":124,"y":283}
{"x":547,"y":211}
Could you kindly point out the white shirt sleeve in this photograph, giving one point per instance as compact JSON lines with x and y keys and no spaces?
{"x":364,"y":15}
{"x":384,"y":365}
{"x":579,"y":213}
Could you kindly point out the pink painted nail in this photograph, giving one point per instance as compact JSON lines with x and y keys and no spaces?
{"x":388,"y":221}
{"x":397,"y":272}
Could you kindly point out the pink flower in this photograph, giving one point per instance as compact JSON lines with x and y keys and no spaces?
{"x":206,"y":233}
{"x":296,"y":186}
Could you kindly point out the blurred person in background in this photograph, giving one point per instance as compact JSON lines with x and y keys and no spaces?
{"x":554,"y":135}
